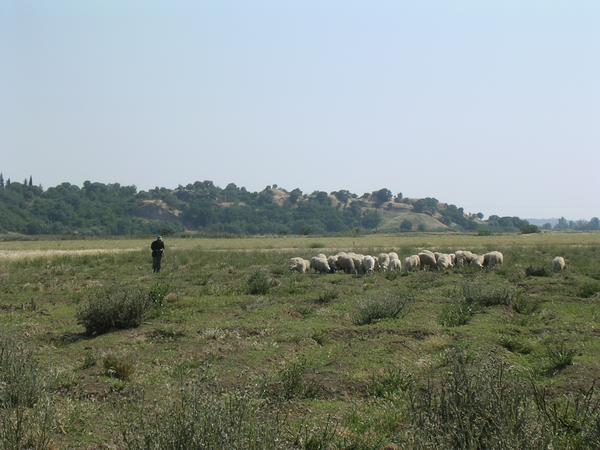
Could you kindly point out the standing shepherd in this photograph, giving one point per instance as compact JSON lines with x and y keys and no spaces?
{"x":158,"y":249}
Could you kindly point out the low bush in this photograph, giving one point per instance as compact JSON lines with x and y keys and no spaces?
{"x":560,"y":355}
{"x":515,"y":345}
{"x":469,"y":407}
{"x":290,"y":382}
{"x":120,"y":367}
{"x":158,"y":293}
{"x":21,"y":381}
{"x":385,"y":307}
{"x":589,"y":289}
{"x":326,"y":297}
{"x":114,"y":308}
{"x":389,"y":381}
{"x":456,"y":313}
{"x":485,"y":295}
{"x":197,"y":420}
{"x":26,"y":416}
{"x":259,"y":283}
{"x":523,"y":305}
{"x":537,"y":271}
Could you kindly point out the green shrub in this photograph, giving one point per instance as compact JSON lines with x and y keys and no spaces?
{"x":389,"y":381}
{"x":120,"y":367}
{"x":522,"y":305}
{"x":197,"y":420}
{"x":385,"y":307}
{"x":290,"y":382}
{"x":114,"y":308}
{"x":471,"y":407}
{"x":456,"y":313}
{"x":26,"y":416}
{"x":157,"y":293}
{"x":326,"y":297}
{"x":21,"y":381}
{"x":259,"y":283}
{"x":485,"y":295}
{"x":560,"y":355}
{"x":589,"y":289}
{"x":537,"y":271}
{"x":515,"y":345}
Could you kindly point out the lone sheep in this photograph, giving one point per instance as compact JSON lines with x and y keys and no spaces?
{"x":559,"y":264}
{"x":412,"y":263}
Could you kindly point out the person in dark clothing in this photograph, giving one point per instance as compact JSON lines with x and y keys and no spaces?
{"x":158,"y":249}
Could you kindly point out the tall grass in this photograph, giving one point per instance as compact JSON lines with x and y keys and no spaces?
{"x":387,"y":306}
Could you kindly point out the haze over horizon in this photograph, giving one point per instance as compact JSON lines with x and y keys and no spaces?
{"x":493,"y":107}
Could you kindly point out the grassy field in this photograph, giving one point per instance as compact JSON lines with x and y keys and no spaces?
{"x":506,"y":357}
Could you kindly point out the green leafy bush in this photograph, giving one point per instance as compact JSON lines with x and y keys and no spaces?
{"x":537,"y":271}
{"x":197,"y":420}
{"x":560,"y":355}
{"x":114,"y":308}
{"x":486,"y":295}
{"x":259,"y":283}
{"x":456,"y":313}
{"x":385,"y":307}
{"x":120,"y":367}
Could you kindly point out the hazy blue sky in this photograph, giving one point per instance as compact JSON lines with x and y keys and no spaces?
{"x":492,"y":105}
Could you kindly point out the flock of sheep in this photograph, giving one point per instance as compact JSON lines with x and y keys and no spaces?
{"x":354,"y":263}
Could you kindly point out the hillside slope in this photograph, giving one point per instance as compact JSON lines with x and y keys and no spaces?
{"x":112,"y":209}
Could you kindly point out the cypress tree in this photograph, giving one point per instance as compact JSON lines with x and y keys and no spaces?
{"x":1,"y":181}
{"x":30,"y":181}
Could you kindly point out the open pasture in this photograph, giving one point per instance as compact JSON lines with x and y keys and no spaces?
{"x":305,"y":360}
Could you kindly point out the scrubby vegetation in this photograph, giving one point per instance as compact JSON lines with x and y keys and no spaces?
{"x":191,"y":358}
{"x":112,"y":209}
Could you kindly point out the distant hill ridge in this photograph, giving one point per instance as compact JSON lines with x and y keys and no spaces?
{"x":113,"y":209}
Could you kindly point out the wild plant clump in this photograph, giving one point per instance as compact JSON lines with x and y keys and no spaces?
{"x":197,"y":420}
{"x":259,"y":283}
{"x":25,"y":413}
{"x":378,"y":308}
{"x":485,"y":295}
{"x":114,"y":308}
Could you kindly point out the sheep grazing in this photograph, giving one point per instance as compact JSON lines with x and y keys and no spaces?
{"x":412,"y":263}
{"x":393,"y":255}
{"x":333,"y":263}
{"x":463,"y":257}
{"x":559,"y":264}
{"x":395,"y":265}
{"x":319,"y":264}
{"x":368,"y":264}
{"x":299,"y":265}
{"x":384,"y":261}
{"x":493,"y":259}
{"x":345,"y":263}
{"x":444,"y":262}
{"x":357,"y":260}
{"x":476,"y":260}
{"x":427,"y":259}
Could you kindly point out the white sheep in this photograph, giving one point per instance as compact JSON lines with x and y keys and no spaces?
{"x":493,"y":259}
{"x":368,"y":264}
{"x":427,"y":259}
{"x":395,"y":265}
{"x":384,"y":261}
{"x":299,"y":265}
{"x":333,"y":263}
{"x":357,"y":259}
{"x":345,"y":263}
{"x":320,"y":264}
{"x":476,"y":260}
{"x":412,"y":263}
{"x":559,"y":264}
{"x":444,"y":262}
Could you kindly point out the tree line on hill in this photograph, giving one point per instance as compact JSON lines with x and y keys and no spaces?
{"x":96,"y":209}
